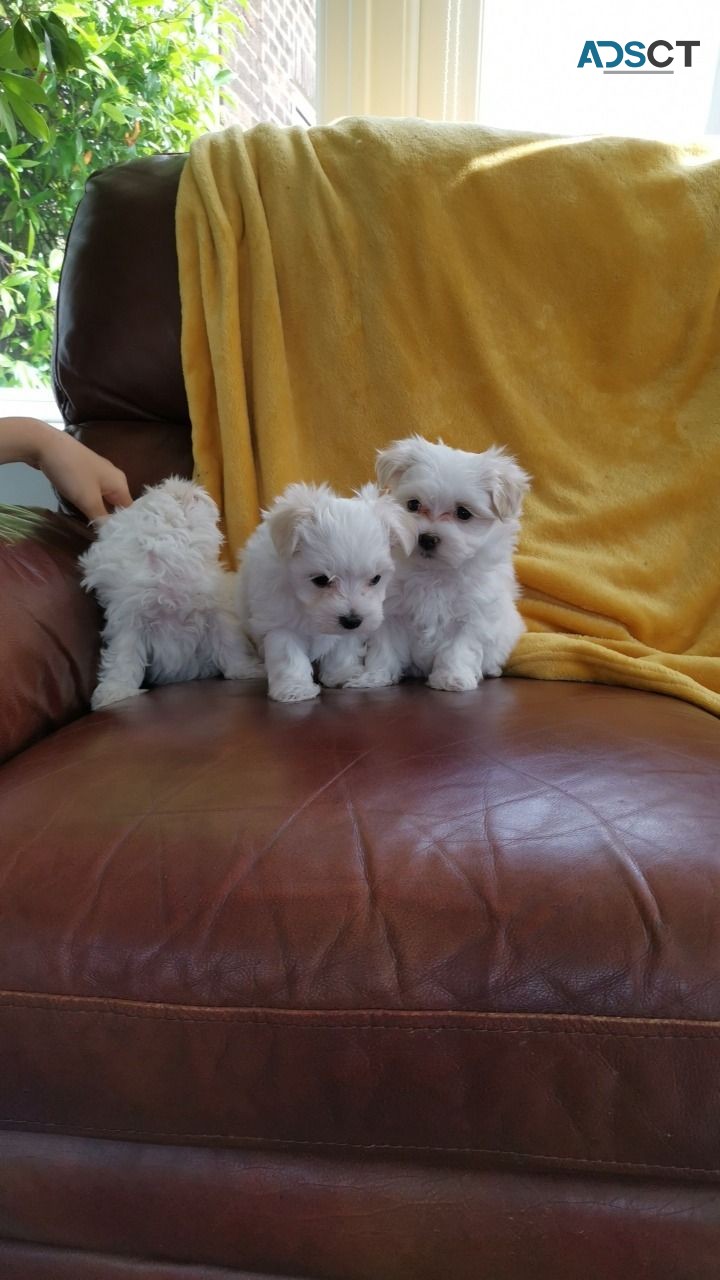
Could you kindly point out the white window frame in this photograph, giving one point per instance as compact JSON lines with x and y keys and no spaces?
{"x":380,"y":58}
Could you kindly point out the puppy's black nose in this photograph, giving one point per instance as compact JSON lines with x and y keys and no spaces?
{"x":428,"y":541}
{"x":349,"y":621}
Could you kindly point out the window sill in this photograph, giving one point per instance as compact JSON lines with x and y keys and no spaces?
{"x":27,"y":402}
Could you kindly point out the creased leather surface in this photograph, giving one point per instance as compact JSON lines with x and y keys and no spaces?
{"x":349,"y":1220}
{"x":529,"y":847}
{"x":367,"y":909}
{"x":49,"y":627}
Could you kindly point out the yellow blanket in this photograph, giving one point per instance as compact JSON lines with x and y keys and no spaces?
{"x":344,"y":286}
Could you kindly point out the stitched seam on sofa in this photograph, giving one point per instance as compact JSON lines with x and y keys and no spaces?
{"x":250,"y":1021}
{"x":150,"y":1134}
{"x":454,"y":1019}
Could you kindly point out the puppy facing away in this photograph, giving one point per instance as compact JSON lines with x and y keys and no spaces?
{"x":169,"y":607}
{"x":313,"y":579}
{"x":450,"y":613}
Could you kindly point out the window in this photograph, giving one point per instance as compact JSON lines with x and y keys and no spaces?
{"x":169,"y":70}
{"x":529,"y":76}
{"x":513,"y":64}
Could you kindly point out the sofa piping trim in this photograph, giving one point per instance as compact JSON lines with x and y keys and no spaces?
{"x":569,"y":1162}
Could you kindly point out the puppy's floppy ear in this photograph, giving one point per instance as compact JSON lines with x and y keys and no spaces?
{"x":391,"y":463}
{"x":508,"y":486}
{"x":401,"y":529}
{"x":286,"y":517}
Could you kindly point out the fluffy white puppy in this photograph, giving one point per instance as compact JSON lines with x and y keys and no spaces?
{"x":313,"y":579}
{"x":450,"y":613}
{"x":169,"y":607}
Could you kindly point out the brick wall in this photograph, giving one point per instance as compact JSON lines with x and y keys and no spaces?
{"x":274,"y":64}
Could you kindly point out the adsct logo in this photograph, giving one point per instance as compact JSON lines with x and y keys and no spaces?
{"x":630,"y":59}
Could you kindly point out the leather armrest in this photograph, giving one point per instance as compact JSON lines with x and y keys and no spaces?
{"x":49,"y":627}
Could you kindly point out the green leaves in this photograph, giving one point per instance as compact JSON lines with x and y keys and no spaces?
{"x":83,"y":86}
{"x":59,"y":41}
{"x":7,"y":119}
{"x":20,"y":93}
{"x":48,"y":36}
{"x":23,"y":87}
{"x":113,"y":112}
{"x":29,"y":117}
{"x":17,"y":93}
{"x":64,"y":51}
{"x":31,"y":41}
{"x":26,"y":46}
{"x":8,"y":56}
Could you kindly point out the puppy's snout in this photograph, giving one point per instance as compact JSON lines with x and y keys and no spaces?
{"x":349,"y":621}
{"x":428,"y":542}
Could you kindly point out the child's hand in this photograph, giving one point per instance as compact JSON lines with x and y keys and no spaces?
{"x":89,"y":482}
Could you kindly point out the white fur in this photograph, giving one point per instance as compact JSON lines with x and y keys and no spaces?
{"x":450,"y":612}
{"x":169,"y":607}
{"x":310,"y":532}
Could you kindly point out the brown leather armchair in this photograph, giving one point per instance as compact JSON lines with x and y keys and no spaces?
{"x":391,"y":986}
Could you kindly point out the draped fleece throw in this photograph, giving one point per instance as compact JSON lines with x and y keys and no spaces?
{"x":347,"y":285}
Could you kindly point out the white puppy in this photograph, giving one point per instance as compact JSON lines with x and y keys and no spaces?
{"x":450,"y":612}
{"x":313,"y":579}
{"x":169,"y":607}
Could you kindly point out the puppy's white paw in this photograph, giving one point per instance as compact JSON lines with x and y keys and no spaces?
{"x":371,"y":680}
{"x":107,"y":694}
{"x":243,"y":668}
{"x":492,"y":669}
{"x":338,"y":677}
{"x":453,"y":681}
{"x":293,"y":690}
{"x":334,"y":679}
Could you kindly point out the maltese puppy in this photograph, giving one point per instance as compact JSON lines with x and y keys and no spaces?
{"x":169,"y":607}
{"x":313,"y":580}
{"x":450,"y":614}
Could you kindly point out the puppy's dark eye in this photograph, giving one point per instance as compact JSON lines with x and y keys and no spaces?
{"x":322,"y":580}
{"x":413,"y":504}
{"x":374,"y":581}
{"x":462,"y":513}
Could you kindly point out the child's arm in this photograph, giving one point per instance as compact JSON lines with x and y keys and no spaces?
{"x":89,"y":482}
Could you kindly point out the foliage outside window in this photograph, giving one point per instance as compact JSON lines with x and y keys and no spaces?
{"x":83,"y":86}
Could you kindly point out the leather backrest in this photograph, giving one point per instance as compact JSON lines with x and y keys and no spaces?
{"x":117,"y":335}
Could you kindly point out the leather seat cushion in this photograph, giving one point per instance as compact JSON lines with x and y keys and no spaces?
{"x":481,"y":926}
